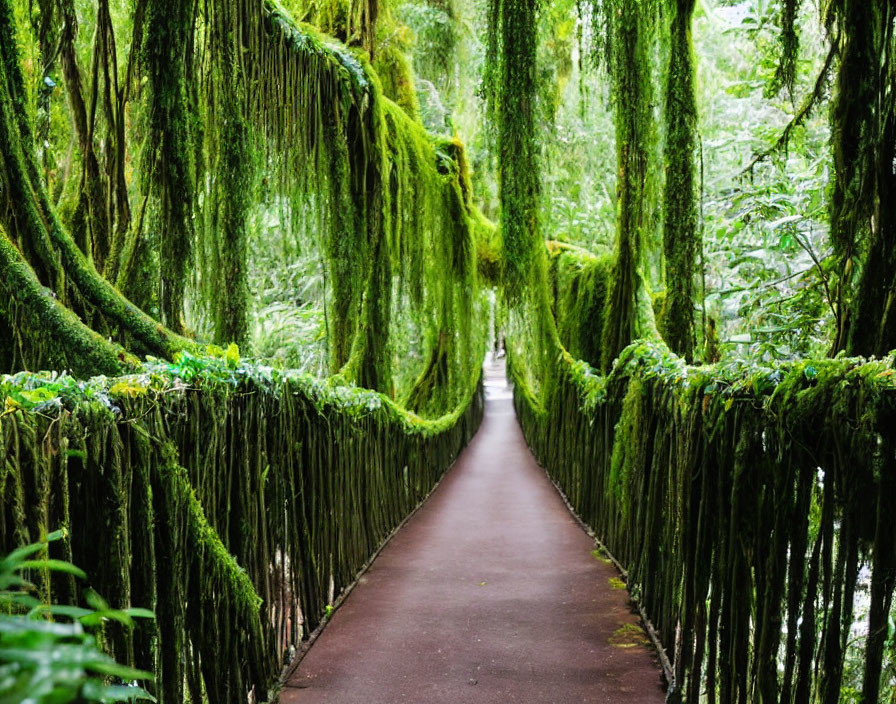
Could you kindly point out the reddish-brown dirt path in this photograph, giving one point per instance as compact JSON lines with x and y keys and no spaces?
{"x":489,"y":593}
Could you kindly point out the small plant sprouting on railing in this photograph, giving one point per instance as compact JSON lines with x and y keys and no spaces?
{"x":47,"y":652}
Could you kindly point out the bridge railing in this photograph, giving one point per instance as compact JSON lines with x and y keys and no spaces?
{"x":752,"y":510}
{"x":234,"y":501}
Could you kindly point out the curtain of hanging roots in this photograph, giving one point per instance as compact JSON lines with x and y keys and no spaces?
{"x":229,"y":509}
{"x":745,"y":506}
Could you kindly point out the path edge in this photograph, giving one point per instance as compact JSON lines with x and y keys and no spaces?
{"x":668,"y":671}
{"x":290,"y":668}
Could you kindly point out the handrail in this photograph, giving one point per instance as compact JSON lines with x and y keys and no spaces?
{"x":235,"y":500}
{"x":751,"y":508}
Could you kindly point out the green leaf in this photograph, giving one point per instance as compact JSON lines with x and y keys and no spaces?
{"x":75,"y":612}
{"x":115,"y":693}
{"x":53,"y":566}
{"x":16,"y":556}
{"x":96,"y":601}
{"x":232,"y":356}
{"x":136,"y":612}
{"x":56,"y":534}
{"x":114,"y":669}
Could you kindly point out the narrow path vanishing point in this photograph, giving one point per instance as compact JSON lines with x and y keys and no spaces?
{"x":490,"y":593}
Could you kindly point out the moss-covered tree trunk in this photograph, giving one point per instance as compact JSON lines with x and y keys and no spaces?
{"x":169,"y":163}
{"x":863,"y":209}
{"x":224,"y":267}
{"x":681,"y":236}
{"x":519,"y":177}
{"x":231,"y":318}
{"x":42,"y":330}
{"x":630,"y":22}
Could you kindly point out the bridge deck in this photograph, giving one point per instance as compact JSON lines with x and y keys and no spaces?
{"x":489,"y":593}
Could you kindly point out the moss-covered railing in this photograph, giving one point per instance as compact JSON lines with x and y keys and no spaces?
{"x":235,"y":501}
{"x":751,"y":509}
{"x":579,"y":282}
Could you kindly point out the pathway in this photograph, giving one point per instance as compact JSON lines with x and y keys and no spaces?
{"x":489,"y":593}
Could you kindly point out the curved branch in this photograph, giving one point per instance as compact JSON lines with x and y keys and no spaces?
{"x":86,"y":351}
{"x":36,"y":219}
{"x":804,"y":112}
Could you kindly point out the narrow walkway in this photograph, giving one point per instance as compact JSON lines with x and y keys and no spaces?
{"x":489,"y":593}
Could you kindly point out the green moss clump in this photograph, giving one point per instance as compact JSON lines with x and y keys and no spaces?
{"x":394,"y":70}
{"x":580,"y":283}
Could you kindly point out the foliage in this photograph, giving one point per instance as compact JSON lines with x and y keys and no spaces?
{"x":763,"y":220}
{"x":741,"y":121}
{"x":47,"y":653}
{"x":363,"y":197}
{"x":292,"y":337}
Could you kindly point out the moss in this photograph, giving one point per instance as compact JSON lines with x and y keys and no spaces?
{"x":393,"y":205}
{"x":351,"y":21}
{"x":511,"y":70}
{"x":629,"y":636}
{"x":785,"y":73}
{"x":427,"y":237}
{"x":681,"y":235}
{"x":580,"y":281}
{"x":601,"y":557}
{"x":629,"y":446}
{"x":487,"y":237}
{"x":394,"y":70}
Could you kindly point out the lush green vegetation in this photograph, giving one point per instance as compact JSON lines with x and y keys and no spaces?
{"x":251,"y":253}
{"x":747,"y":501}
{"x":59,"y":660}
